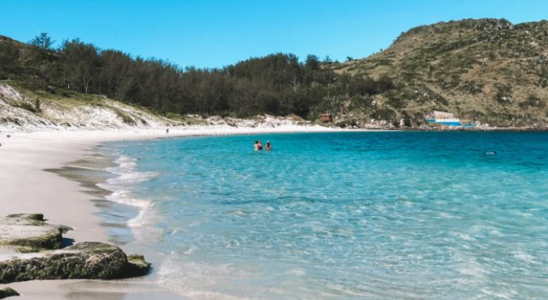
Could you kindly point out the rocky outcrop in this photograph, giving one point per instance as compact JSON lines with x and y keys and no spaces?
{"x":30,"y":233}
{"x":8,"y":292}
{"x":88,"y":260}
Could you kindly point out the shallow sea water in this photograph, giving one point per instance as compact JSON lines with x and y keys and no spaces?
{"x":360,"y":215}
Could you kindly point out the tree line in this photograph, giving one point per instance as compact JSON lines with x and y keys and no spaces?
{"x":278,"y":84}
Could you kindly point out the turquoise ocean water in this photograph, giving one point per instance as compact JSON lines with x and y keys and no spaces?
{"x":363,"y":215}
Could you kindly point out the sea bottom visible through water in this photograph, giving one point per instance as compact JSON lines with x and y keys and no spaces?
{"x":357,"y":215}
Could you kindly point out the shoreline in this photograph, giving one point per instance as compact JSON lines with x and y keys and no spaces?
{"x":30,"y":184}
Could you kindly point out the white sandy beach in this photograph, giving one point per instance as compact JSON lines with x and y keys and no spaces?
{"x":26,"y":188}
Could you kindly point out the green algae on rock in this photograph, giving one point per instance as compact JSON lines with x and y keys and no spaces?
{"x":8,"y":292}
{"x":87,"y":260}
{"x":30,"y":233}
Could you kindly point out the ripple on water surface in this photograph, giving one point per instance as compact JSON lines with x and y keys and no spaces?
{"x":389,"y":215}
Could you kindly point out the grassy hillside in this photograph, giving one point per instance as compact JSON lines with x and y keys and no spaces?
{"x":484,"y":70}
{"x":22,"y":108}
{"x":60,"y":108}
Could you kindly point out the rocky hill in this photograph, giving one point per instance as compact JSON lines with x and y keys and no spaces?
{"x":485,"y":70}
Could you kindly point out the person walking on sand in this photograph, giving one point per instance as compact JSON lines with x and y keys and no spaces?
{"x":268,"y":146}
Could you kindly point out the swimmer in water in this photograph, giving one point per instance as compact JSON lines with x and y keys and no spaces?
{"x":268,"y":146}
{"x":491,"y":153}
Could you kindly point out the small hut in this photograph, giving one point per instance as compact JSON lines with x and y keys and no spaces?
{"x":326,"y":118}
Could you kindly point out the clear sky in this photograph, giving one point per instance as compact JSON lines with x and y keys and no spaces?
{"x":214,"y":33}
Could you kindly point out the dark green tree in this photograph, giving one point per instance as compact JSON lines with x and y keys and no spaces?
{"x":115,"y":69}
{"x":80,"y":64}
{"x":42,"y":41}
{"x":10,"y":64}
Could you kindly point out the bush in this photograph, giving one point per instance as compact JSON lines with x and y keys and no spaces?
{"x":38,"y":105}
{"x":504,"y":94}
{"x":29,"y":107}
{"x":532,"y":101}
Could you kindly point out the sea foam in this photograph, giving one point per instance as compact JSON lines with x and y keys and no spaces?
{"x":122,"y":186}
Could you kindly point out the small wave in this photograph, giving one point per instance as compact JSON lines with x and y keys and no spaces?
{"x":123,"y":164}
{"x":525,"y":257}
{"x":142,"y":218}
{"x":132,"y":178}
{"x":122,"y":185}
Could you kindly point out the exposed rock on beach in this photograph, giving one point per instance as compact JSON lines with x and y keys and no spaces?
{"x":8,"y":292}
{"x":87,"y":260}
{"x":30,"y":233}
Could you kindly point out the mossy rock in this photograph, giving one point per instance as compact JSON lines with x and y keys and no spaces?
{"x":30,"y":233}
{"x":35,"y":217}
{"x":138,"y":264}
{"x":8,"y":292}
{"x":88,"y":260}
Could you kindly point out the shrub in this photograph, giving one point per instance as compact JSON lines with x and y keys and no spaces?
{"x":532,"y":101}
{"x":504,"y":94}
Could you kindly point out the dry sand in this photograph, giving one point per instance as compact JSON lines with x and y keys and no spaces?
{"x":26,"y":188}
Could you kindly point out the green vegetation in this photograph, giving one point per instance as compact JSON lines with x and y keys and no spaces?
{"x":8,"y":292}
{"x":484,"y":70}
{"x":277,"y":84}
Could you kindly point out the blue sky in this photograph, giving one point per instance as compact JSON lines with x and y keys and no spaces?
{"x":214,"y":33}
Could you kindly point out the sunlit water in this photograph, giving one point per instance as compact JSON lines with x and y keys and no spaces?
{"x":378,"y":215}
